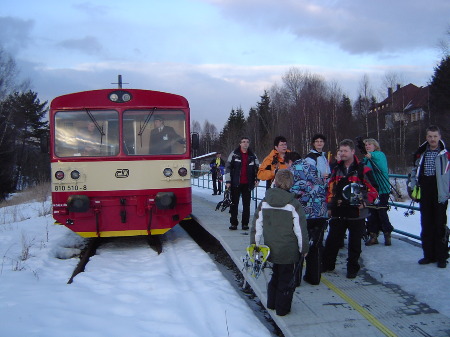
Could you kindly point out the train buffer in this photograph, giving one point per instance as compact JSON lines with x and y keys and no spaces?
{"x":337,"y":306}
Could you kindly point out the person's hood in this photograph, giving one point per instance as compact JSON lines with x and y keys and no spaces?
{"x":277,"y":197}
{"x":422,"y":148}
{"x":322,"y":153}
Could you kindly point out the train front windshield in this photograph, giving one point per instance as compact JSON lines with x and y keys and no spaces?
{"x":154,"y":132}
{"x":96,"y":133}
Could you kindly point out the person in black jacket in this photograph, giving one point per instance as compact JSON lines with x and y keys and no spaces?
{"x":351,"y":189}
{"x":163,"y":137}
{"x":241,"y":176}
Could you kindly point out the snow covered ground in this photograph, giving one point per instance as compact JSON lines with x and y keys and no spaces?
{"x":128,"y":290}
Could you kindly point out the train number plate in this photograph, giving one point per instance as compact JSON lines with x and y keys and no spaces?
{"x":69,"y":188}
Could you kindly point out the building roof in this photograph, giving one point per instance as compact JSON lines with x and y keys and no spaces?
{"x":404,"y":99}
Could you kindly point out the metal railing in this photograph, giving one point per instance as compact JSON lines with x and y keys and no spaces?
{"x":202,"y":178}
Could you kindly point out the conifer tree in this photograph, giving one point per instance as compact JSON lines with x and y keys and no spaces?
{"x":440,"y":97}
{"x":22,"y":124}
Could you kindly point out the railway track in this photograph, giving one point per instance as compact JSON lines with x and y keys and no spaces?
{"x":180,"y":289}
{"x":91,"y":247}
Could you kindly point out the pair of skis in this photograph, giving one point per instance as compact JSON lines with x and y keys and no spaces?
{"x":255,"y":260}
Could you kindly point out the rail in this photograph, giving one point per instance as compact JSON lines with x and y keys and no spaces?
{"x":203,"y":179}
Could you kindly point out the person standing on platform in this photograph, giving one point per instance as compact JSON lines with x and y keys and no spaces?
{"x":290,"y":158}
{"x":280,"y":221}
{"x":378,"y":218}
{"x":241,"y":176}
{"x":317,"y":157}
{"x":274,"y":161}
{"x":310,"y":188}
{"x":217,"y":169}
{"x":431,"y":173}
{"x":351,"y":188}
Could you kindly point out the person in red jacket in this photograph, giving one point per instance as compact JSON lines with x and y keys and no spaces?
{"x":240,"y":177}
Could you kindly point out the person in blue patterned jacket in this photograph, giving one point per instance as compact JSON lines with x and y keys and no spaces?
{"x":310,"y":188}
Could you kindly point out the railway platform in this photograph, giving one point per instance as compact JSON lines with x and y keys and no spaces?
{"x":337,"y":306}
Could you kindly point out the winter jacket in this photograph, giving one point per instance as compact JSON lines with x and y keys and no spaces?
{"x":214,"y":167}
{"x":269,"y":165}
{"x":442,"y":170}
{"x":380,"y":171}
{"x":310,"y":188}
{"x":233,"y":168}
{"x":319,"y":159}
{"x":362,"y":176}
{"x":281,"y":221}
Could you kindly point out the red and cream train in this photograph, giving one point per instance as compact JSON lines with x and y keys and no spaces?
{"x":111,"y":174}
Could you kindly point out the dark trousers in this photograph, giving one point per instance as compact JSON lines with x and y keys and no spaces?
{"x":280,"y":288}
{"x":338,"y":226}
{"x":378,"y":218}
{"x":217,"y":184}
{"x":433,"y":219}
{"x":313,"y":260}
{"x":236,"y":193}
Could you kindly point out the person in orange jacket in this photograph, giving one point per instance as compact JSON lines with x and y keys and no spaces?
{"x":274,"y":161}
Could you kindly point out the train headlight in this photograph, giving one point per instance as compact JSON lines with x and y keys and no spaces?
{"x":114,"y":97}
{"x":165,"y":200}
{"x":168,"y":172}
{"x":75,"y":175}
{"x":183,"y":172}
{"x":59,"y":175}
{"x":120,"y":96}
{"x":78,"y":203}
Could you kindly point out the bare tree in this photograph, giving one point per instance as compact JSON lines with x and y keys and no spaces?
{"x":196,"y":127}
{"x":392,"y":80}
{"x":444,"y":44}
{"x":209,"y":137}
{"x":364,"y":102}
{"x":9,"y":76}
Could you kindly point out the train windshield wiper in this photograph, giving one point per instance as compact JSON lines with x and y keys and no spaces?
{"x":99,"y":128}
{"x":146,"y":121}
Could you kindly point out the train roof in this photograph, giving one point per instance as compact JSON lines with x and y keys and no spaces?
{"x":101,"y":98}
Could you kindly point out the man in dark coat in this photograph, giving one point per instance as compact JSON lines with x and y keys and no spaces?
{"x":240,"y":175}
{"x":162,"y":138}
{"x":351,"y":188}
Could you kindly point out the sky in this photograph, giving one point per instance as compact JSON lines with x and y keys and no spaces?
{"x":220,"y":54}
{"x":129,"y":290}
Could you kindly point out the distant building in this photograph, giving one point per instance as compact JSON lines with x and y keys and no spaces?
{"x":405,"y":105}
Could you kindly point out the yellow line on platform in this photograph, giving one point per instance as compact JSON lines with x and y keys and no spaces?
{"x":368,"y":316}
